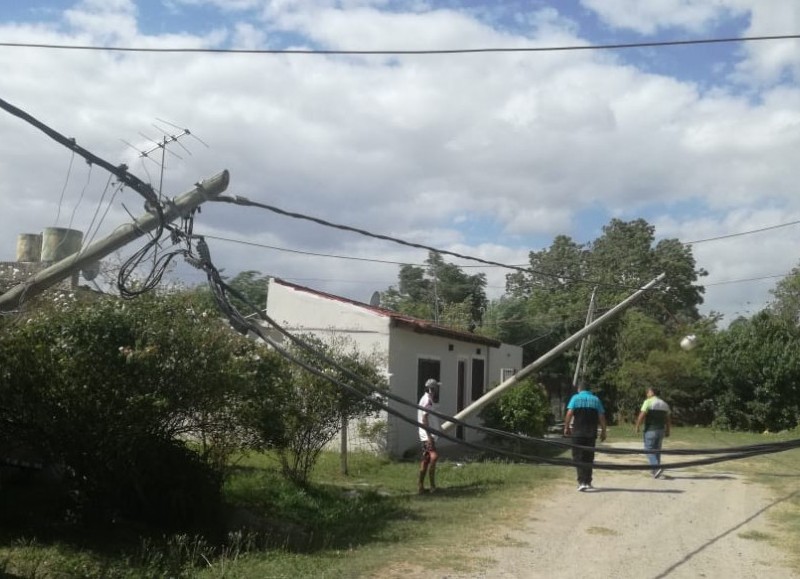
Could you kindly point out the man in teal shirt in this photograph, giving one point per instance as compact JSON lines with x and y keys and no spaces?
{"x":655,"y":414}
{"x":585,"y":412}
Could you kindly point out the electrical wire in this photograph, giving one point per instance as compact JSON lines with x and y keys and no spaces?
{"x":220,"y":290}
{"x":421,"y":52}
{"x":375,"y":260}
{"x":245,"y":202}
{"x":89,"y":233}
{"x":152,"y":203}
{"x":64,"y":189}
{"x":741,"y":233}
{"x":311,"y":253}
{"x":80,"y":198}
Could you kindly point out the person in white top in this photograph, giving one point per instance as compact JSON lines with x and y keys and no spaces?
{"x":428,"y":439}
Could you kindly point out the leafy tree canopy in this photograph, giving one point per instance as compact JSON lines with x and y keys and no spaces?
{"x":786,"y":302}
{"x":441,"y":292}
{"x":554,"y":295}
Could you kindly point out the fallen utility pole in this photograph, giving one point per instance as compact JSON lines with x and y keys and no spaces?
{"x":538,"y":363}
{"x":580,"y":365}
{"x":181,"y":206}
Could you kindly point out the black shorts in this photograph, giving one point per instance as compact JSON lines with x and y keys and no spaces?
{"x":426,"y":446}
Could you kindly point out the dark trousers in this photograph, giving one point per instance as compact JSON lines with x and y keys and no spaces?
{"x":586,"y":456}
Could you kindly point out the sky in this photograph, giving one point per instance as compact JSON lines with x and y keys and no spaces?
{"x":490,"y":155}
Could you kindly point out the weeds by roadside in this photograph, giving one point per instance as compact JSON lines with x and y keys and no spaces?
{"x":349,"y":525}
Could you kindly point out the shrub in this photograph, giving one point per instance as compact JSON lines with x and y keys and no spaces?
{"x":110,"y":390}
{"x":523,"y":409}
{"x":301,"y":413}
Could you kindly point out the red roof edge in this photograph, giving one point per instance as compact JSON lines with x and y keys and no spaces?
{"x":400,"y":320}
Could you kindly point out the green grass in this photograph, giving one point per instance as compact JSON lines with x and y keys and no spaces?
{"x":367,"y":523}
{"x":383,"y":521}
{"x":339,"y":526}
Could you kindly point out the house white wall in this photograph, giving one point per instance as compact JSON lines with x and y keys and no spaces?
{"x":399,"y":347}
{"x":301,"y":311}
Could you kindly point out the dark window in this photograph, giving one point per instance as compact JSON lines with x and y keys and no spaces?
{"x":477,"y":378}
{"x":426,"y":369}
{"x":462,"y":387}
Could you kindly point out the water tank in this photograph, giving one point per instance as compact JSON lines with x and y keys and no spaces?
{"x":60,"y":242}
{"x":29,"y":247}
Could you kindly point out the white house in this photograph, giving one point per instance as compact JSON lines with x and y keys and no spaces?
{"x":413,"y":350}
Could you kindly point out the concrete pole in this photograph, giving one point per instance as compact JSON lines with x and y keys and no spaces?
{"x":538,"y":363}
{"x":124,"y":234}
{"x":584,"y":341}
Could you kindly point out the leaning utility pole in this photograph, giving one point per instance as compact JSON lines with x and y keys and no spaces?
{"x":580,"y":365}
{"x":181,"y":206}
{"x":536,"y":364}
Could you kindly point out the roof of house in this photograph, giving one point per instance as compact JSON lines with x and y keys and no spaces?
{"x":401,"y":320}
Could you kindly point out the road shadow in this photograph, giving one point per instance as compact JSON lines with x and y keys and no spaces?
{"x":722,"y":535}
{"x":698,"y":477}
{"x":624,"y":490}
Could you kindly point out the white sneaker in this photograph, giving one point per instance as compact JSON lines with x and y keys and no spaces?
{"x":658,"y":473}
{"x":582,"y":487}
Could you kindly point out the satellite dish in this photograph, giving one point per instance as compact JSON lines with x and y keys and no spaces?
{"x":375,"y":300}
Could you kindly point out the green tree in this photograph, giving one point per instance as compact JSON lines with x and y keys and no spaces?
{"x":755,"y":371}
{"x":112,"y":389}
{"x":650,"y":355}
{"x":561,"y":279}
{"x":300,"y":414}
{"x":441,"y":292}
{"x":786,"y":302}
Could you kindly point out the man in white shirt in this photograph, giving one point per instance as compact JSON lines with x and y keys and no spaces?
{"x":428,"y":439}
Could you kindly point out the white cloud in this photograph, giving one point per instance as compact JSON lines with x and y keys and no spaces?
{"x":654,"y":15}
{"x":765,"y":62}
{"x":768,"y":62}
{"x":403,"y":146}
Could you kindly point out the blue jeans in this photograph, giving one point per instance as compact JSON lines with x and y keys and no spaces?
{"x":653,"y":439}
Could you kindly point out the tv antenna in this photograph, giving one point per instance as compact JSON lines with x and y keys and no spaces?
{"x":162,"y":144}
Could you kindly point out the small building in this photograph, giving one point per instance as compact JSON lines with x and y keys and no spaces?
{"x":412,"y":351}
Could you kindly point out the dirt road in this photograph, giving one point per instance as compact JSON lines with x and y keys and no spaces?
{"x":699,"y":522}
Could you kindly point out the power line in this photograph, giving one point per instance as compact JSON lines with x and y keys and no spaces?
{"x":334,"y":256}
{"x":375,"y":260}
{"x":238,"y":200}
{"x":426,"y":52}
{"x":376,"y":396}
{"x":741,"y":233}
{"x":245,"y":202}
{"x":747,"y":279}
{"x":301,"y":252}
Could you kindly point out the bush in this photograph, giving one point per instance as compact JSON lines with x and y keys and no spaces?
{"x":109,"y":390}
{"x":524,"y":409}
{"x":302,"y":412}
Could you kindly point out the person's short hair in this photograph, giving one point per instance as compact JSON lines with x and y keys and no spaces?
{"x":656,"y":391}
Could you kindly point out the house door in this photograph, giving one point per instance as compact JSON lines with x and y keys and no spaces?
{"x":462,"y":394}
{"x":478,"y":378}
